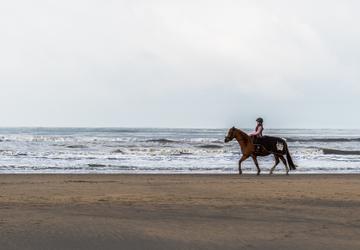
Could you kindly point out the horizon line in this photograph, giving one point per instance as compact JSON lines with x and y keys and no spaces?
{"x":164,"y":127}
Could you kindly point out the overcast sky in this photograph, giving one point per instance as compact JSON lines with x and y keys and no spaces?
{"x":180,"y":63}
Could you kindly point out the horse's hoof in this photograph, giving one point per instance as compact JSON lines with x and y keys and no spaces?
{"x":270,"y":173}
{"x":258,"y":173}
{"x":287,"y":173}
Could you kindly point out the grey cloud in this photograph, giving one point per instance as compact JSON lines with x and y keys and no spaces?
{"x":179,"y":63}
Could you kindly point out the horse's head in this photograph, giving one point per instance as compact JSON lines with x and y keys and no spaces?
{"x":230,"y":135}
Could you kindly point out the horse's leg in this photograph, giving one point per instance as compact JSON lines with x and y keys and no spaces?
{"x":276,"y":163}
{"x":256,"y":164}
{"x":243,"y":158}
{"x":284,"y":161}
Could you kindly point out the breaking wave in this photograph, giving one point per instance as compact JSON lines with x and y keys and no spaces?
{"x":76,"y":146}
{"x":161,"y":141}
{"x":210,"y":146}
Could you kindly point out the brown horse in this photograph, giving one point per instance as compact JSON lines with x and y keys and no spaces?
{"x":274,"y":145}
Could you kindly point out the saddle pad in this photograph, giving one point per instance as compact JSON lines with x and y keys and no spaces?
{"x":272,"y":144}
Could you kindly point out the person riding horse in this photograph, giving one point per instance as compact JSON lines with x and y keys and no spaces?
{"x":257,"y":135}
{"x":269,"y":145}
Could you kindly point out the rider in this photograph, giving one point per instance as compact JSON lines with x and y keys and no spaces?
{"x":257,"y":134}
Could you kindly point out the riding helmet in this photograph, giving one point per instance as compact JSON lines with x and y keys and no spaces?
{"x":260,"y":120}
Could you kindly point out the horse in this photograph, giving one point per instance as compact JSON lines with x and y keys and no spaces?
{"x":275,"y":145}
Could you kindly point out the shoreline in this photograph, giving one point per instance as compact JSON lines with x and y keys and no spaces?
{"x":162,"y":211}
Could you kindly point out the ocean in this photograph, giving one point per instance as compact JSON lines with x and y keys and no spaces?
{"x":158,"y":150}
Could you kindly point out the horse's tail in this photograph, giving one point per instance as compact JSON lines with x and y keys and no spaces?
{"x":289,"y":159}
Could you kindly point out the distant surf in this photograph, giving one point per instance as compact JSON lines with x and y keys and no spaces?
{"x":328,"y":151}
{"x":323,"y":139}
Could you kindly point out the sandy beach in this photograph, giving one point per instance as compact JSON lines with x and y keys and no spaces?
{"x":179,"y":212}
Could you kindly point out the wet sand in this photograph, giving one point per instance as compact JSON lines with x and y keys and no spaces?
{"x":179,"y":212}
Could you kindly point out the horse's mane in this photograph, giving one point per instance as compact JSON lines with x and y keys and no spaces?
{"x":245,"y":136}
